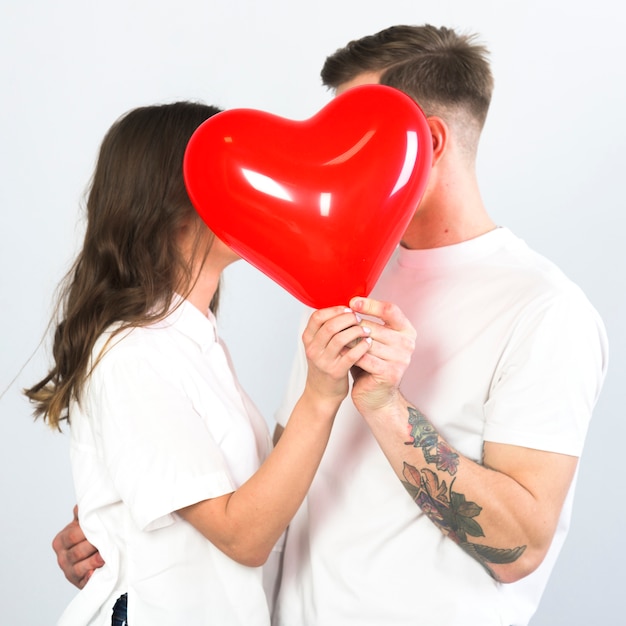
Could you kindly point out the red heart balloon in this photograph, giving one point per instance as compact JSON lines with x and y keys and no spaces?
{"x":317,"y":205}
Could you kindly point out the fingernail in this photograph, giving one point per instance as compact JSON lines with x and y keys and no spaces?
{"x":368,"y":340}
{"x":359,"y":319}
{"x":347,"y":310}
{"x":366,"y":329}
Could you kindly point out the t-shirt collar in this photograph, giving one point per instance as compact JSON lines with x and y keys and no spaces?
{"x":455,"y":254}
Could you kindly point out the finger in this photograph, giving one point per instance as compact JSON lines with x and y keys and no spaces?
{"x":78,"y":572}
{"x":343,"y":343}
{"x":63,"y":540}
{"x":83,"y":581}
{"x":389,"y":313}
{"x":385,"y":363}
{"x":319,"y":335}
{"x":391,"y":345}
{"x":83,"y":551}
{"x":321,"y":317}
{"x":334,"y":352}
{"x":68,"y":537}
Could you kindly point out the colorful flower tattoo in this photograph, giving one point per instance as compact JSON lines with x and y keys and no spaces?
{"x":447,"y":508}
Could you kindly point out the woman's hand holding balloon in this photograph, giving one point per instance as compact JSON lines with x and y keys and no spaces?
{"x":332,"y":341}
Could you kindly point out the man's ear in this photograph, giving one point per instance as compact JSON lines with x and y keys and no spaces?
{"x":440,"y":133}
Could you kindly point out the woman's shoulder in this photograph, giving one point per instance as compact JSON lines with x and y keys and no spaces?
{"x":122,"y":344}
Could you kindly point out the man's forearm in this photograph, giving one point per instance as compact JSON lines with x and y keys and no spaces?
{"x":503,"y":517}
{"x":432,"y":487}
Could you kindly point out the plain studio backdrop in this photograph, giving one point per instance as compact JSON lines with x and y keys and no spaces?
{"x":550,"y":166}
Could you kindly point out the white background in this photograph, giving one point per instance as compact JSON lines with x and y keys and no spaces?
{"x":551,"y":168}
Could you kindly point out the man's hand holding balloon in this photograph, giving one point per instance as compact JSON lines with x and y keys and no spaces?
{"x":379,"y":372}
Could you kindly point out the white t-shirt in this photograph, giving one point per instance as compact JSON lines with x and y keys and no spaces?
{"x":508,"y":350}
{"x":162,"y":424}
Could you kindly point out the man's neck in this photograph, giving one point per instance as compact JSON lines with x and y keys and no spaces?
{"x":451,"y":212}
{"x":427,"y":234}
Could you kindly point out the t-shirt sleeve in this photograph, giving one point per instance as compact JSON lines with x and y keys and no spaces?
{"x":157,"y":448}
{"x":549,"y":378}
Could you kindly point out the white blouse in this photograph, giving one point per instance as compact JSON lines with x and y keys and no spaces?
{"x":163,"y":424}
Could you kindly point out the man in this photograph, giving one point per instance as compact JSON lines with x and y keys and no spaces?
{"x":445,"y":492}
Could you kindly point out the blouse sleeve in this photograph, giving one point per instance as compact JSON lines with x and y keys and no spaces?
{"x":158,"y":451}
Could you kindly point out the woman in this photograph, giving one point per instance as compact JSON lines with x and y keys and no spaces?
{"x":176,"y":482}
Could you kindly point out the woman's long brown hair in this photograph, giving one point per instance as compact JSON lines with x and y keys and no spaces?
{"x":129,"y":265}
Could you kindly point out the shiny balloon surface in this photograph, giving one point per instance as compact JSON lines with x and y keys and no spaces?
{"x":317,"y":205}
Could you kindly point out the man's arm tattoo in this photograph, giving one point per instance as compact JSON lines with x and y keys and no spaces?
{"x":447,"y":509}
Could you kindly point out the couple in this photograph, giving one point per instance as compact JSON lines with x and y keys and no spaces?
{"x":436,"y":490}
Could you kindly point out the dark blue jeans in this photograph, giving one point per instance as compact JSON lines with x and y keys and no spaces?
{"x":119,"y":612}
